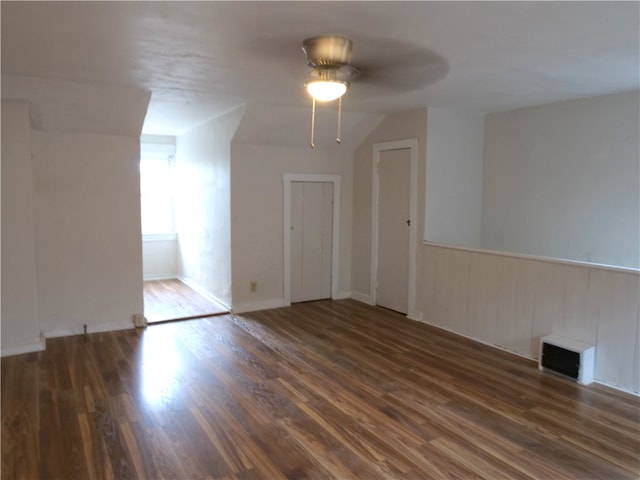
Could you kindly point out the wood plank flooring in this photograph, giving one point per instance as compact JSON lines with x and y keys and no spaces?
{"x":329,"y":389}
{"x":174,"y":300}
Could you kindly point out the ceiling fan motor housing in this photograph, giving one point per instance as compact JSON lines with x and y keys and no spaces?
{"x":327,"y":51}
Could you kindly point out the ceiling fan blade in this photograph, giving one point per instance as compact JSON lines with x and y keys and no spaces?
{"x":379,"y":66}
{"x":409,"y":70}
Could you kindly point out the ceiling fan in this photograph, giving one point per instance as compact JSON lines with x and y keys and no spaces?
{"x":329,"y":57}
{"x":384,"y":64}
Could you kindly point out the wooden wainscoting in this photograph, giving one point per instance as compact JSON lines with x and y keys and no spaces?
{"x":328,"y":389}
{"x":511,"y":301}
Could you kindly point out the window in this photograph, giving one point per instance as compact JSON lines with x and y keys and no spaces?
{"x":156,"y":190}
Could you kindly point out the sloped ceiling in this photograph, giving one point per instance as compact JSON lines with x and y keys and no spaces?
{"x":201,"y":59}
{"x":64,"y":106}
{"x":291,"y":126}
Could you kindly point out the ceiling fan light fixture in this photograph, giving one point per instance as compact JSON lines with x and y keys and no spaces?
{"x":327,"y":90}
{"x":327,"y":55}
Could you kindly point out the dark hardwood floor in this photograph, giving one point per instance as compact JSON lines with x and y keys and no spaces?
{"x":172,"y":299}
{"x":330,"y":389}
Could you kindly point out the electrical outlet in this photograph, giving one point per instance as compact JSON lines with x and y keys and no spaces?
{"x":139,"y":321}
{"x":253,"y":286}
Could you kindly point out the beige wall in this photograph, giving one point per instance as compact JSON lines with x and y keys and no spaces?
{"x":88,"y":242}
{"x":563,"y":180}
{"x":70,"y":209}
{"x":257,"y":219}
{"x":20,"y":323}
{"x":71,"y":247}
{"x":400,"y":126}
{"x":453,"y":189}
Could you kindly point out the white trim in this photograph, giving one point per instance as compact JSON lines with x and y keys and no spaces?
{"x":259,"y":305}
{"x":412,"y":145}
{"x":159,"y":277}
{"x":538,"y":258}
{"x":201,"y":291}
{"x":343,"y":295}
{"x":616,"y":387}
{"x":288,"y":178}
{"x":22,"y":349}
{"x":362,"y":297}
{"x":103,"y":327}
{"x":493,"y":345}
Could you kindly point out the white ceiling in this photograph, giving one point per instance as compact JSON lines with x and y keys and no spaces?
{"x":201,"y":59}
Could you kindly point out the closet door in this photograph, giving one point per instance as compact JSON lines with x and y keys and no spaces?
{"x":393,"y":229}
{"x":311,"y":235}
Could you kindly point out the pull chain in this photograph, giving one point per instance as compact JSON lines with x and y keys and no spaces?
{"x":339,"y":135}
{"x":313,"y":122}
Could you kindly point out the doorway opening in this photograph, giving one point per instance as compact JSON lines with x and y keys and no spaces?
{"x":167,"y":295}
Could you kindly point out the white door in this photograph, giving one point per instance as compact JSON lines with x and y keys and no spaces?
{"x":393,"y":229}
{"x":311,"y":237}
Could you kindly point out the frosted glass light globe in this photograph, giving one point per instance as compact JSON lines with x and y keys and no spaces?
{"x":326,"y":90}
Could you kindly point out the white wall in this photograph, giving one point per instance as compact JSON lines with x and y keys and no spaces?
{"x":88,"y":242}
{"x":563,"y":180}
{"x":455,"y":149}
{"x":511,"y":302}
{"x":203,"y":215}
{"x":257,"y":220}
{"x":159,"y":256}
{"x":20,"y":322}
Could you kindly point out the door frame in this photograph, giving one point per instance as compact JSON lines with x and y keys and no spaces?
{"x":378,"y":148}
{"x":288,"y":178}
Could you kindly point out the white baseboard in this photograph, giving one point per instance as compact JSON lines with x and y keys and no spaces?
{"x":41,"y":345}
{"x":38,"y":346}
{"x":615,"y":387}
{"x":342,"y":295}
{"x":243,"y":307}
{"x":103,"y":327}
{"x":159,"y":277}
{"x":492,"y":345}
{"x":415,"y":315}
{"x":362,"y":297}
{"x":202,"y":291}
